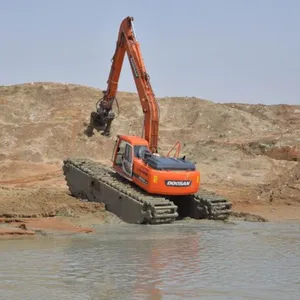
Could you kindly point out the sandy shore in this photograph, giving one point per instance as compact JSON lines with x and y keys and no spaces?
{"x":31,"y":226}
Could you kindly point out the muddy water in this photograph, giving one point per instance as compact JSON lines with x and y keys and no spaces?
{"x":182,"y":261}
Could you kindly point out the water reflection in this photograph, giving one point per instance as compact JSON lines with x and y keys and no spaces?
{"x":135,"y":261}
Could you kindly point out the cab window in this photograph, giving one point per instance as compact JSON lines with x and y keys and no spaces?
{"x":128,"y":153}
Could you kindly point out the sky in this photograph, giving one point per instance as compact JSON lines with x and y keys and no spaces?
{"x":225,"y":51}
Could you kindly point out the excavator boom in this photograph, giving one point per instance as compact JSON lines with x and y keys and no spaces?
{"x":127,"y":43}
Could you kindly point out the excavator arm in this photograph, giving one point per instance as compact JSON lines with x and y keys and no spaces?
{"x":127,"y":42}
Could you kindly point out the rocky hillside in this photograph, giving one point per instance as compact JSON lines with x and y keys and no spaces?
{"x":249,"y":153}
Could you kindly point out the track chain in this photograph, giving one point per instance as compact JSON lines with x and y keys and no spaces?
{"x":213,"y":206}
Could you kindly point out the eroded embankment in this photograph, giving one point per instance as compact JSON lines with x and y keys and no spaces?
{"x":26,"y":211}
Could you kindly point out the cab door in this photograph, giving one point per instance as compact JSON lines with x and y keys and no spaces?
{"x":127,"y":162}
{"x":123,"y":159}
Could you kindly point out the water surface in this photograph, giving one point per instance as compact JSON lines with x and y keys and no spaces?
{"x":207,"y":260}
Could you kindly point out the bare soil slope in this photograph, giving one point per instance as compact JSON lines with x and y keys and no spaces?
{"x":249,"y":153}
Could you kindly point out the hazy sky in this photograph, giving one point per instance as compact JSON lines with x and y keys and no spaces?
{"x":225,"y":51}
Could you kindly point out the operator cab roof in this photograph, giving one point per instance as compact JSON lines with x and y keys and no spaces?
{"x":134,"y":140}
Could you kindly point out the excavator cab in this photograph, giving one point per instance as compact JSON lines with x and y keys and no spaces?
{"x":162,"y":175}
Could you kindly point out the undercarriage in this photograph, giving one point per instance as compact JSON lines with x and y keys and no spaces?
{"x":97,"y":182}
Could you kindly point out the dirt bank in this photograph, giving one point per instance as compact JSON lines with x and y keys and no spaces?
{"x":249,"y":153}
{"x":33,"y":226}
{"x":27,"y":211}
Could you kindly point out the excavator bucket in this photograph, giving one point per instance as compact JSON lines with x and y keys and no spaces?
{"x":100,"y":120}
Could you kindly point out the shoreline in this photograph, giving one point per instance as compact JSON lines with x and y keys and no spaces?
{"x":32,"y":226}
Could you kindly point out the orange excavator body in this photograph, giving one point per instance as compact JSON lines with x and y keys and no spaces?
{"x":163,"y":188}
{"x":152,"y":173}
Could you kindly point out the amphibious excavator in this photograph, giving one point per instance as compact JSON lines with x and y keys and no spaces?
{"x":142,"y":186}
